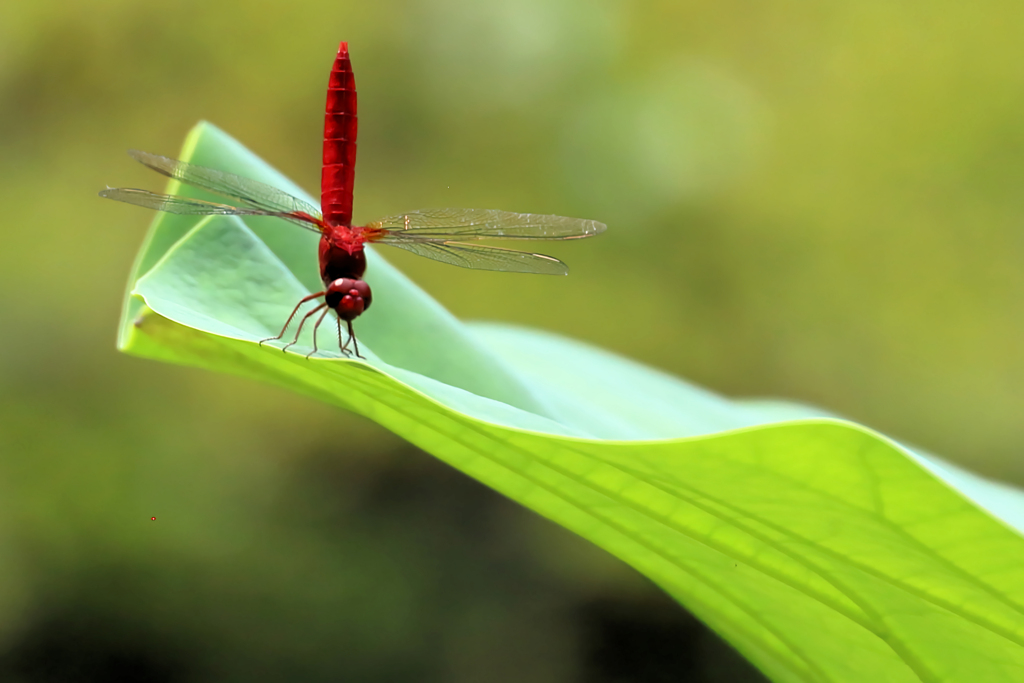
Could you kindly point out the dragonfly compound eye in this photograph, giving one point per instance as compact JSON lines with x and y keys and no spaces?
{"x":348,"y":297}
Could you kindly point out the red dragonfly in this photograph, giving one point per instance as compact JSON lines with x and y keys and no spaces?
{"x":437,"y":234}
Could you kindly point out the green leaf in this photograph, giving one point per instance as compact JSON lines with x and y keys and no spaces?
{"x":820,"y":549}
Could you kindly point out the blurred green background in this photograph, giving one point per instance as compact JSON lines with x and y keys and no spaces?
{"x":821,"y":203}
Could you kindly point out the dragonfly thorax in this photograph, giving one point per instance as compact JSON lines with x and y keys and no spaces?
{"x":348,"y":297}
{"x":340,"y":261}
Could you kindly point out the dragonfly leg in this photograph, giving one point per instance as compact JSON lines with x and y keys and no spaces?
{"x":294,"y":311}
{"x":341,"y":345}
{"x":315,"y":328}
{"x":302,"y":322}
{"x":352,"y":338}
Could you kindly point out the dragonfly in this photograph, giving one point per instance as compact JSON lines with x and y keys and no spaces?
{"x":446,"y":235}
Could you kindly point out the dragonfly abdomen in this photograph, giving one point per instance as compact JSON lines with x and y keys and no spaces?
{"x":340,"y":131}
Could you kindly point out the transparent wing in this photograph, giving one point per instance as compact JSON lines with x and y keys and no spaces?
{"x":487,"y":223}
{"x":480,"y":257}
{"x":198,"y":207}
{"x":249,"y":192}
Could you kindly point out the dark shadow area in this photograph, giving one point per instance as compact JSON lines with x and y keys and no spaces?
{"x":653,"y":640}
{"x":81,"y":648}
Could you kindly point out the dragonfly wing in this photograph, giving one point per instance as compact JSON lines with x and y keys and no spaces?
{"x":479,"y":257}
{"x":196,"y":207}
{"x":487,"y":224}
{"x":245,"y":190}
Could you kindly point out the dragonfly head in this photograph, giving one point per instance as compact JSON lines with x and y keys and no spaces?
{"x":348,"y":297}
